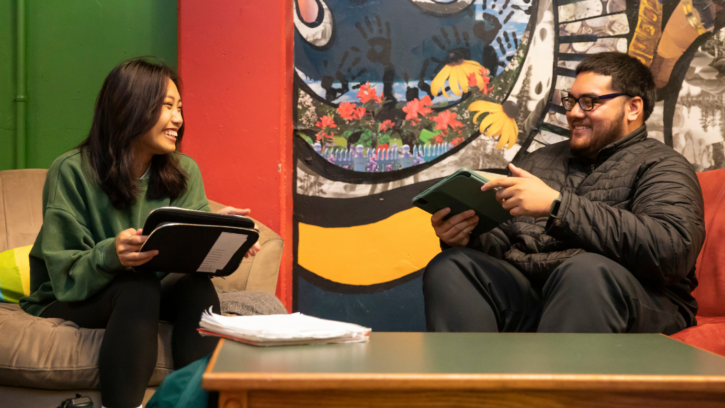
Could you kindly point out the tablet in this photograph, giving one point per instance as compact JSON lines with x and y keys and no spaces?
{"x":461,"y":191}
{"x":191,"y":241}
{"x":182,"y":215}
{"x":191,"y":248}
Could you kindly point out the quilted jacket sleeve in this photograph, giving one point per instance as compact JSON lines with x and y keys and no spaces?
{"x":658,"y":240}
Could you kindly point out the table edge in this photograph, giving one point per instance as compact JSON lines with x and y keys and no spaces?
{"x":438,"y":381}
{"x":214,"y":356}
{"x":357,"y":381}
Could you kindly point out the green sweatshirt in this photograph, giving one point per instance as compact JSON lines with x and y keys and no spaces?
{"x":74,"y":256}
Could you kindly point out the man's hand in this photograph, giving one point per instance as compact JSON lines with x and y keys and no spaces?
{"x":455,"y":231}
{"x":524,"y":194}
{"x":245,"y":212}
{"x":128,"y":242}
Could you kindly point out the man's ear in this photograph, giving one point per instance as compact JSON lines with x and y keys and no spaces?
{"x":635,"y":108}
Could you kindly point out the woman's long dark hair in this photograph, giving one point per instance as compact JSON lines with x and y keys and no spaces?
{"x":128,"y":106}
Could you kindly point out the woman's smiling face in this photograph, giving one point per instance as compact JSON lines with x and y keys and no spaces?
{"x":161,"y":139}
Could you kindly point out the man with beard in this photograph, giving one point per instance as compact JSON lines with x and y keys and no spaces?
{"x":607,"y":226}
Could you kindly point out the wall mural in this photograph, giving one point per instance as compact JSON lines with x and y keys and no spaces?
{"x":392,"y":95}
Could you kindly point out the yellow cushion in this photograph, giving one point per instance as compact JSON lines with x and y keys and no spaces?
{"x":14,"y":274}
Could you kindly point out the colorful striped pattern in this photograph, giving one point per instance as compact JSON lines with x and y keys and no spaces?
{"x":14,"y":274}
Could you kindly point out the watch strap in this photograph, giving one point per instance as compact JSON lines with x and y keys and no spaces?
{"x":554,"y":209}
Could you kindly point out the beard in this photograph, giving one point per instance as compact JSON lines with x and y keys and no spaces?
{"x":601,"y":135}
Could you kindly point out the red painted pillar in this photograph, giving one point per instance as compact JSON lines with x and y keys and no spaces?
{"x":235,"y":62}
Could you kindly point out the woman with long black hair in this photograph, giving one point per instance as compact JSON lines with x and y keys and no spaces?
{"x":95,"y":199}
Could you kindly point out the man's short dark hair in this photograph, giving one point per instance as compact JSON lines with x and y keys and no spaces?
{"x":629,"y":76}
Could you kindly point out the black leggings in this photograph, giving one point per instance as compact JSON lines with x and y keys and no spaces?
{"x":129,"y":309}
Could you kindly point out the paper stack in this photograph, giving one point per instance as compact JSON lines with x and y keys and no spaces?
{"x":281,"y":330}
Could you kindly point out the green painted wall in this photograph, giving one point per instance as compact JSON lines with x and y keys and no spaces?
{"x":7,"y":84}
{"x":71,"y":47}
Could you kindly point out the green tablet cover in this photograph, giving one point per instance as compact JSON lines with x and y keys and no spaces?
{"x":461,"y":191}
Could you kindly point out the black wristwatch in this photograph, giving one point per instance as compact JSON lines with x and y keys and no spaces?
{"x":554,"y":209}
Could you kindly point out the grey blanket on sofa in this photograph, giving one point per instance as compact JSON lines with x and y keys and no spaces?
{"x":249,"y":303}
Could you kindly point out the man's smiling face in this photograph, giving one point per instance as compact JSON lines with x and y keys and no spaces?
{"x":594,"y":129}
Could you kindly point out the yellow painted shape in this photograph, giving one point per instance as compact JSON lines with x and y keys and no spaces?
{"x":369,"y":254}
{"x":340,"y":141}
{"x":22,"y":260}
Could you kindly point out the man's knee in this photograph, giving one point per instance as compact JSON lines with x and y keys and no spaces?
{"x":586,"y":274}
{"x":440,"y":264}
{"x":455,"y":268}
{"x":445,"y":266}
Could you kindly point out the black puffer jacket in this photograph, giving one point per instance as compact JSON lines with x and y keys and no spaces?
{"x":639,"y":204}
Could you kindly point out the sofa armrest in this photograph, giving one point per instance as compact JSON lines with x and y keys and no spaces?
{"x":258,"y":273}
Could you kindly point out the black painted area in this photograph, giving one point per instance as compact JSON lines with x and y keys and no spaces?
{"x":350,"y":212}
{"x":398,"y":308}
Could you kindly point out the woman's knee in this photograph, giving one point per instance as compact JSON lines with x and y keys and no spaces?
{"x":189,"y":284}
{"x":138,"y":290}
{"x":197,"y":290}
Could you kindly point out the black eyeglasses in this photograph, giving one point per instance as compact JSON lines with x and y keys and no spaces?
{"x":587,"y":102}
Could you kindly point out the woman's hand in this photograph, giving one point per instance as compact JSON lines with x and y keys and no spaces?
{"x":245,"y":212}
{"x":128,"y":242}
{"x":234,"y":211}
{"x":253,"y":250}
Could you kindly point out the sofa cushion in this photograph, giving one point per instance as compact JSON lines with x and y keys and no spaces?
{"x":709,"y":334}
{"x":21,"y":212}
{"x":57,"y":353}
{"x":711,"y":262}
{"x":256,"y":273}
{"x":14,"y":274}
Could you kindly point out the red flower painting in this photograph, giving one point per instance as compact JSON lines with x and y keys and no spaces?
{"x":367,"y":93}
{"x":321,"y":134}
{"x":417,"y":107}
{"x":358,"y":113}
{"x":326,"y":122}
{"x":386,"y":125}
{"x":346,"y":110}
{"x":445,"y":120}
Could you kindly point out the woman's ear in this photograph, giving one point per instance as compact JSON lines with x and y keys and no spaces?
{"x":635,"y":108}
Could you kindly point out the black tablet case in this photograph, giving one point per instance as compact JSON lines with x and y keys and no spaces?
{"x":185,"y":237}
{"x":461,"y":191}
{"x":184,"y":216}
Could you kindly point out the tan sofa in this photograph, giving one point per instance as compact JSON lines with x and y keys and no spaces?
{"x":44,"y":361}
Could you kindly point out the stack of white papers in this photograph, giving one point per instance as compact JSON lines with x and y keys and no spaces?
{"x":281,"y":330}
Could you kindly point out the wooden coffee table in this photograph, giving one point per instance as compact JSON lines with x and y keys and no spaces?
{"x":471,"y":370}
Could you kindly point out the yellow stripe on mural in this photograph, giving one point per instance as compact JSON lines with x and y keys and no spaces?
{"x":369,"y":254}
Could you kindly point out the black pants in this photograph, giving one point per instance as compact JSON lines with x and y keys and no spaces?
{"x":468,"y":291}
{"x":129,"y":309}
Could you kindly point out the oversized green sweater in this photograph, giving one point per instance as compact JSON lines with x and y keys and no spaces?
{"x":74,"y":256}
